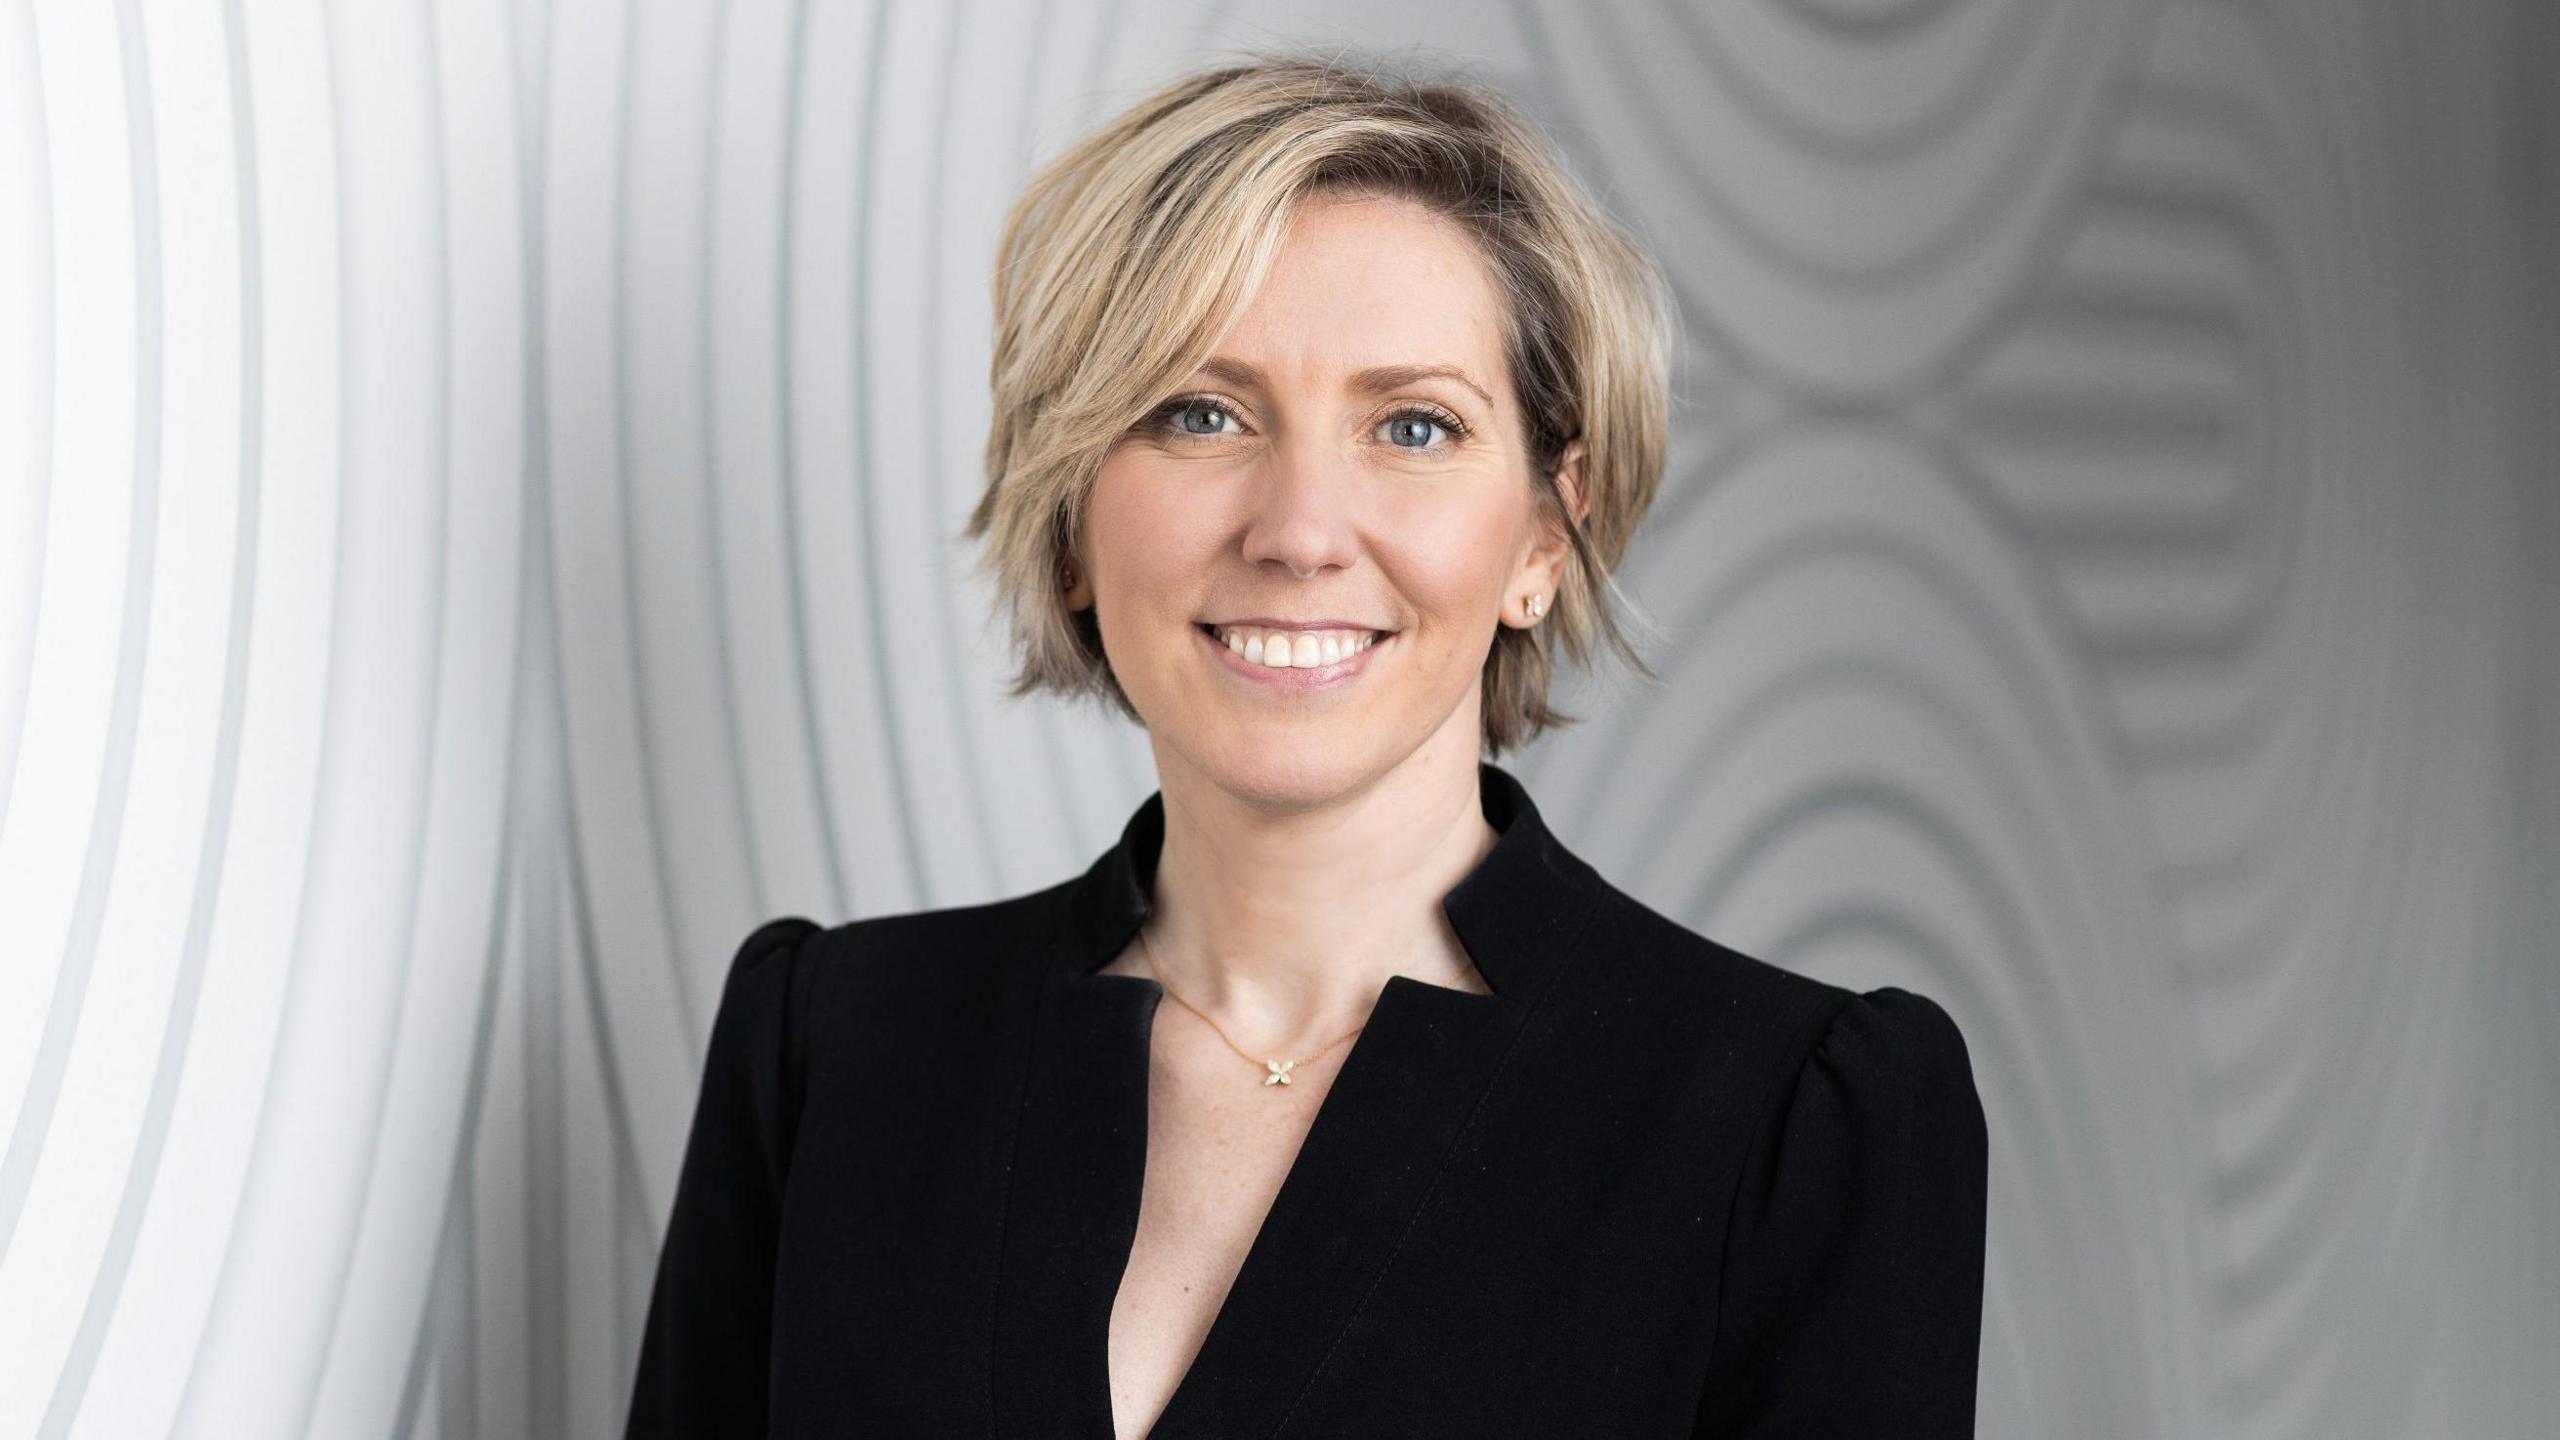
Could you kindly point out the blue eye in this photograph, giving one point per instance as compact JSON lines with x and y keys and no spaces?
{"x":1194,"y":417}
{"x":1203,"y":417}
{"x":1408,"y":423}
{"x":1188,"y":410}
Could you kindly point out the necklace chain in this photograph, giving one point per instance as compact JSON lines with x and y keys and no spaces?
{"x":1277,"y":1071}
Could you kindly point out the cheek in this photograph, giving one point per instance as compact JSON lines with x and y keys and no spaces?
{"x":1136,"y":536}
{"x":1152,"y":552}
{"x":1454,"y":565}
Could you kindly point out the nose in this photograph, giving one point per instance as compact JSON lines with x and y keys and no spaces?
{"x":1301,"y":511}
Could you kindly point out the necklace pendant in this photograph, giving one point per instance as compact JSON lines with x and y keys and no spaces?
{"x":1279,"y":1072}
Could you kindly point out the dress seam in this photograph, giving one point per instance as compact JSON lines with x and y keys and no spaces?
{"x":1778,"y":1099}
{"x":1004,"y":1215}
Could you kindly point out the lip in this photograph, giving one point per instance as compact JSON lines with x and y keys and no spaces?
{"x":1265,"y":622}
{"x":1294,"y":680}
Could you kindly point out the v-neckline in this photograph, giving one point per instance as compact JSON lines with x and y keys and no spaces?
{"x":1362,"y":1173}
{"x":1134,"y":1181}
{"x":1369,"y":1156}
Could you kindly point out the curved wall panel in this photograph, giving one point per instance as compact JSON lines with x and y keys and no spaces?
{"x":476,"y":539}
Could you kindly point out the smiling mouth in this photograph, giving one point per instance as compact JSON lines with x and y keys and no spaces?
{"x":1281,"y":651}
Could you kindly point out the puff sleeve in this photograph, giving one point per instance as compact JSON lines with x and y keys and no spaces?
{"x":1851,"y":1298}
{"x":706,"y":1343}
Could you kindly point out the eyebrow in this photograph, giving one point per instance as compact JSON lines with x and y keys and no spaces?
{"x":1372,"y":380}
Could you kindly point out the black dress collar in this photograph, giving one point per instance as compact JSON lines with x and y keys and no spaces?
{"x":1505,"y":910}
{"x":1409,"y":1086}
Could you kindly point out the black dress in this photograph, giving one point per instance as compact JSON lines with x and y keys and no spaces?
{"x":1647,"y":1187}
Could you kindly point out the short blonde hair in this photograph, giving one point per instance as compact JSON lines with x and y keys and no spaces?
{"x":1127,"y":256}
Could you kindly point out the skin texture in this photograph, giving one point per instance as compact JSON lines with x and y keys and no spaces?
{"x":1308,"y":837}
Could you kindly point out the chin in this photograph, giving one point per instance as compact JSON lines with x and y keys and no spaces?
{"x":1289,"y":773}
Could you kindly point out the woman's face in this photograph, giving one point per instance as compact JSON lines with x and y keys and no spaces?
{"x":1312,"y":474}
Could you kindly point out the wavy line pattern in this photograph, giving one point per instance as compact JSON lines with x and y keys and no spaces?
{"x":478,"y":542}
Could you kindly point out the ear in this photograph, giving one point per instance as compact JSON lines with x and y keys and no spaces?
{"x":1569,"y":476}
{"x":1542,"y":573}
{"x":1078,"y":588}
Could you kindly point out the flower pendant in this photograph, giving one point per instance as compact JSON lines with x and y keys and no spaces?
{"x":1279,"y":1072}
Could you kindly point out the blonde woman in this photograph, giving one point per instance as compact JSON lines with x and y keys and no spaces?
{"x":1325,"y":404}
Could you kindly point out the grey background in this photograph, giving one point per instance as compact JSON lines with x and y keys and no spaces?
{"x":475,"y":488}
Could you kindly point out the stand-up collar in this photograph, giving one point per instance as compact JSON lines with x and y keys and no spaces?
{"x":1509,"y":911}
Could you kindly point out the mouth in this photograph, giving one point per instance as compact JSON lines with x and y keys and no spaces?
{"x":1315,"y":659}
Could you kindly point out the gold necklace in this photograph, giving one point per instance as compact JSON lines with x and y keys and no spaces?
{"x":1276,"y":1071}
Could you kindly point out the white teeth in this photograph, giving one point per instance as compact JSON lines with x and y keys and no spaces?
{"x":1301,"y":650}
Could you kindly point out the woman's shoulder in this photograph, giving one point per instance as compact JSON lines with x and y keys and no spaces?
{"x":899,"y":967}
{"x":943,"y":942}
{"x":1730,"y":1003}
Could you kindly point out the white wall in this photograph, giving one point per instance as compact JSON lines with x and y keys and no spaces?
{"x":475,"y":494}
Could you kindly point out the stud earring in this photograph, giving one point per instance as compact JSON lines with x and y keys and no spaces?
{"x":1536,"y":605}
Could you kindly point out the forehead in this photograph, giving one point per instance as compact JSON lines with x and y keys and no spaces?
{"x":1367,"y":280}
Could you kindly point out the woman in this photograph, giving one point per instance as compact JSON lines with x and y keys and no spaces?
{"x":1325,"y":404}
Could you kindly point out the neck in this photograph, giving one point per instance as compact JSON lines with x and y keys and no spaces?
{"x":1288,"y":916}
